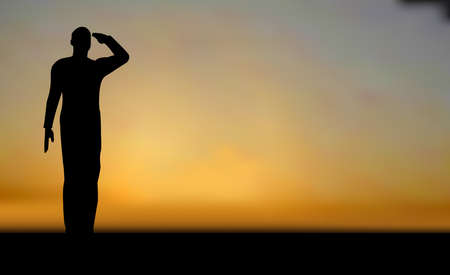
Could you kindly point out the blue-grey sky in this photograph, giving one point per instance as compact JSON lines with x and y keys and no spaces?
{"x":242,"y":103}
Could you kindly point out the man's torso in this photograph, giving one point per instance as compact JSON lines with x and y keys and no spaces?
{"x":79,"y":81}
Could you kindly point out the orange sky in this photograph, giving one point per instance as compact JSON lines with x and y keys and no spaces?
{"x":233,"y":115}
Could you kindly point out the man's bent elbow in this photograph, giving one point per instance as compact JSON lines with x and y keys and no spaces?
{"x":125,"y":58}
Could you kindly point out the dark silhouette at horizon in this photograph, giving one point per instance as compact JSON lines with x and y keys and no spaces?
{"x":78,"y":79}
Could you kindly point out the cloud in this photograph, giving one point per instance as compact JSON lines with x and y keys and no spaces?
{"x":444,"y":4}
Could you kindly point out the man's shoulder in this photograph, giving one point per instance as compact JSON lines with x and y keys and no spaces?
{"x":61,"y":62}
{"x":102,"y":59}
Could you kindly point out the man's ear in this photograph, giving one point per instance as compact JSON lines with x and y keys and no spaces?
{"x":71,"y":42}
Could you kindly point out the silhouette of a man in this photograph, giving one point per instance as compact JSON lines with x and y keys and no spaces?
{"x":78,"y":79}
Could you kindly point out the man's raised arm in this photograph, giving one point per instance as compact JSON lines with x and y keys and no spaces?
{"x":120,"y":57}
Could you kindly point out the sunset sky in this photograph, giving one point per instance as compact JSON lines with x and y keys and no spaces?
{"x":238,"y":114}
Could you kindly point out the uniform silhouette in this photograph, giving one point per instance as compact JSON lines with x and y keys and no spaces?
{"x":78,"y":79}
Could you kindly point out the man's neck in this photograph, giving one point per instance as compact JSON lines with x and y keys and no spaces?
{"x":79,"y":54}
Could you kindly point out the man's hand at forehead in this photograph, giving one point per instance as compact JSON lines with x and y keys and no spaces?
{"x":101,"y":38}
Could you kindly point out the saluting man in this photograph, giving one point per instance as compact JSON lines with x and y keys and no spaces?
{"x":78,"y":78}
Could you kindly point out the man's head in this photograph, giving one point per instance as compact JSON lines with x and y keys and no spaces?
{"x":81,"y":39}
